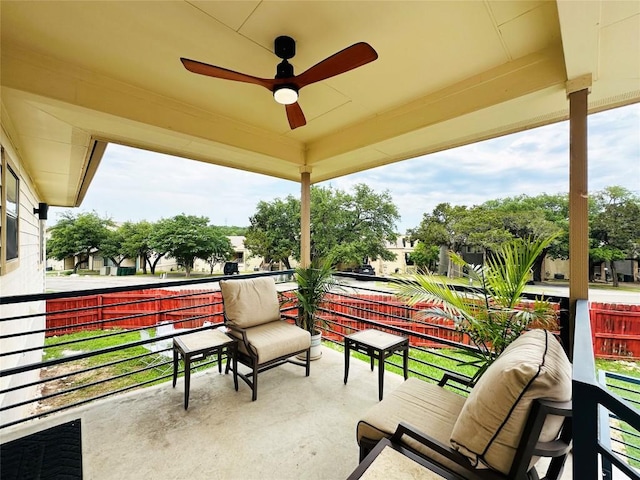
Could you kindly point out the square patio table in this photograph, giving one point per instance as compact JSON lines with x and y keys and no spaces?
{"x":376,"y":344}
{"x":198,"y":346}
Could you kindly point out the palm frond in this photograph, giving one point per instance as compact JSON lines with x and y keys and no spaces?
{"x":491,"y":312}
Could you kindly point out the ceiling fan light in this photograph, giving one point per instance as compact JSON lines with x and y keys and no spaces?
{"x":286,"y":94}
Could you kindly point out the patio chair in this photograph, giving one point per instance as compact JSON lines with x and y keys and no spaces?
{"x":517,"y":412}
{"x":265,"y":340}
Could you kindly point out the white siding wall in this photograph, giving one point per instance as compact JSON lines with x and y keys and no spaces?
{"x":27,"y":278}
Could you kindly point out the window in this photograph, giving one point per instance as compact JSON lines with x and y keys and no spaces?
{"x":9,"y":214}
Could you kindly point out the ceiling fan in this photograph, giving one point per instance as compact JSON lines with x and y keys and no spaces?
{"x":285,"y":86}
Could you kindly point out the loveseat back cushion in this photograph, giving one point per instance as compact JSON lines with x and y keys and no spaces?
{"x":492,"y":419}
{"x":250,"y":302}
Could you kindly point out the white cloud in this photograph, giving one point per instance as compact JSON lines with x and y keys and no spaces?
{"x":134,"y":185}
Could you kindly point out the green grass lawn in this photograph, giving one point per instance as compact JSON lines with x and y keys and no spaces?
{"x":123,"y":373}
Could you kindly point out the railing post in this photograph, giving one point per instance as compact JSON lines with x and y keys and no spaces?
{"x":585,"y":433}
{"x":584,"y":398}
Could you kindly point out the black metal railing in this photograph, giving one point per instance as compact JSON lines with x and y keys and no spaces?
{"x":107,"y":341}
{"x":593,"y":402}
{"x":56,"y":370}
{"x":615,"y":433}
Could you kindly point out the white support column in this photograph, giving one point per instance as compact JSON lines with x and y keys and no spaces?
{"x":578,"y":201}
{"x":305,"y":219}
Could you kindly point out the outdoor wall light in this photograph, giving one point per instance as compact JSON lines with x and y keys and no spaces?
{"x":286,"y":94}
{"x":42,"y":210}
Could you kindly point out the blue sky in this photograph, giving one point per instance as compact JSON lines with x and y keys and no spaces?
{"x":138,"y":185}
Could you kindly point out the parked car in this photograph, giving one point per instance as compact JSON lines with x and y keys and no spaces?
{"x":364,"y":270}
{"x":230,"y":268}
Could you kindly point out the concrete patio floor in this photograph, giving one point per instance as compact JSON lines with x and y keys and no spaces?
{"x":299,"y":428}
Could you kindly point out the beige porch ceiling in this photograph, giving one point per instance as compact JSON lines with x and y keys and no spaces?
{"x":76,"y":75}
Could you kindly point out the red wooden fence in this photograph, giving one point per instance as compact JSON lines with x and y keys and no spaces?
{"x":616,"y":330}
{"x":616,"y":327}
{"x":133,"y":310}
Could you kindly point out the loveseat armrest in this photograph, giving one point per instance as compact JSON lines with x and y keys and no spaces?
{"x":557,"y":449}
{"x":455,"y":377}
{"x":471,"y":473}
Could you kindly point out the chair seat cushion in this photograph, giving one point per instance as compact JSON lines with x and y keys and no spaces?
{"x":426,"y":406}
{"x":492,"y":419}
{"x":276,"y":339}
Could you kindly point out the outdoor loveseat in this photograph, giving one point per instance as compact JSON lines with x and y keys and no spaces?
{"x":518,"y":411}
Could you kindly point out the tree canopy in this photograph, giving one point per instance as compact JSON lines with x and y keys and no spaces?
{"x":274,"y":231}
{"x":187,"y":237}
{"x":78,"y":235}
{"x":613,"y":216}
{"x":353,"y":227}
{"x":615,"y":227}
{"x":347,"y":227}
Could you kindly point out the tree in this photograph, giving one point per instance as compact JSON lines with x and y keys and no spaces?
{"x":424,"y":256}
{"x":112,"y":246}
{"x":274,"y":233}
{"x":135,"y":243}
{"x":540,"y":216}
{"x":615,"y":228}
{"x":78,"y":235}
{"x":349,"y":228}
{"x":183,"y":237}
{"x":230,"y":231}
{"x":495,"y":222}
{"x":438,"y":229}
{"x":219,"y":248}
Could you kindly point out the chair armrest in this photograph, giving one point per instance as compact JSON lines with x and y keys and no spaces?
{"x":446,"y":451}
{"x":242,"y":332}
{"x":455,"y":377}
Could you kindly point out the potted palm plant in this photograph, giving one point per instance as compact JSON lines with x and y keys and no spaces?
{"x":314,"y":282}
{"x":492,"y":311}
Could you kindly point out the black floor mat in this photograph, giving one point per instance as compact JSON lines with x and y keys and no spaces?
{"x":55,"y":453}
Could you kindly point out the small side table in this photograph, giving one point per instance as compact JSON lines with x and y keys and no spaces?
{"x":376,"y":344}
{"x":391,"y":461}
{"x":198,"y":346}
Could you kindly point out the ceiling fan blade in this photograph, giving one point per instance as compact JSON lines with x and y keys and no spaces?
{"x":351,"y":57}
{"x":295,"y":116}
{"x":219,"y":72}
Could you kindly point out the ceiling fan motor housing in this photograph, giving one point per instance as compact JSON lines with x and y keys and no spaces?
{"x":284,"y":70}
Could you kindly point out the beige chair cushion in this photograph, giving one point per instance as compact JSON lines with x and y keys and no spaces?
{"x":426,"y":406}
{"x":275,"y":340}
{"x":492,"y":419}
{"x":250,"y":302}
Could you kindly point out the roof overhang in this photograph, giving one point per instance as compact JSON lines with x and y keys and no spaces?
{"x":79,"y":75}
